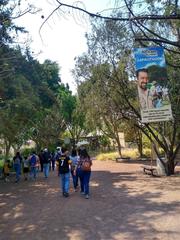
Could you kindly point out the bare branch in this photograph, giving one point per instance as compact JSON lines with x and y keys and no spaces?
{"x":25,"y":12}
{"x":48,"y":18}
{"x":176,"y":44}
{"x":145,"y":17}
{"x":160,"y":40}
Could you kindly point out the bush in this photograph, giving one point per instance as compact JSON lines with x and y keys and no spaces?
{"x":107,"y":156}
{"x":147,"y":152}
{"x":27,"y":151}
{"x":131,"y":153}
{"x":1,"y":163}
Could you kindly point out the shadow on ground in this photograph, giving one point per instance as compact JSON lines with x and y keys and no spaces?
{"x":123,"y":205}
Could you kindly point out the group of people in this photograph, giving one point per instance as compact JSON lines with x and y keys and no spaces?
{"x":77,"y":163}
{"x":32,"y":164}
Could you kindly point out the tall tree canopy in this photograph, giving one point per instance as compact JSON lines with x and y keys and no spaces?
{"x":31,"y":93}
{"x":111,"y":42}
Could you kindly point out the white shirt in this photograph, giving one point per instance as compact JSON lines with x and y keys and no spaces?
{"x":145,"y":98}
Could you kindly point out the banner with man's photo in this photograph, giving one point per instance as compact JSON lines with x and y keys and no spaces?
{"x":152,"y":84}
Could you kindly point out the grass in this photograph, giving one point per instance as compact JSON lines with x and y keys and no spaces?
{"x":107,"y":156}
{"x":131,"y":153}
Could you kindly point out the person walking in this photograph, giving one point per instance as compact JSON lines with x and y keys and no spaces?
{"x":6,"y":170}
{"x":33,"y":162}
{"x":74,"y":161}
{"x":84,"y":171}
{"x":41,"y":160}
{"x":64,"y":163}
{"x":57,"y":155}
{"x":46,"y":161}
{"x":26,"y":168}
{"x":17,"y":160}
{"x":53,"y":161}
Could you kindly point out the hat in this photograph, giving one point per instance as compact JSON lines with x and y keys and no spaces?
{"x":58,"y":148}
{"x":45,"y":150}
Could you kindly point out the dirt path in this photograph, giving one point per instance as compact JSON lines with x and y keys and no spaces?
{"x":124,"y":205}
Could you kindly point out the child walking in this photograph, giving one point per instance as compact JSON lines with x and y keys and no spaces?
{"x":6,"y":170}
{"x":25,"y":168}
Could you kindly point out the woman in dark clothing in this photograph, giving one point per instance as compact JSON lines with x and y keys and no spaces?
{"x":17,"y":160}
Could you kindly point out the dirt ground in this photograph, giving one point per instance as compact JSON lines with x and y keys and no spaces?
{"x":124,"y":204}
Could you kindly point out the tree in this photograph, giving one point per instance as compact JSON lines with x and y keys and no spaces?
{"x":47,"y":127}
{"x":97,"y":103}
{"x":30,"y":106}
{"x":72,"y":113}
{"x":102,"y":50}
{"x":17,"y":108}
{"x":138,"y":19}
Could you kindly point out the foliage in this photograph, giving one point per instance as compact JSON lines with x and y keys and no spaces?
{"x":31,"y":93}
{"x":132,"y":153}
{"x":104,"y":141}
{"x":1,"y":163}
{"x":101,"y":94}
{"x":6,"y":24}
{"x":27,"y":151}
{"x":110,"y":84}
{"x":72,"y":113}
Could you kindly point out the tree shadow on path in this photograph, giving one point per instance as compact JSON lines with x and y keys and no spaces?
{"x":122,"y":205}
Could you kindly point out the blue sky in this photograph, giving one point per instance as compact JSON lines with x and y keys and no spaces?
{"x":63,"y":35}
{"x":144,"y":60}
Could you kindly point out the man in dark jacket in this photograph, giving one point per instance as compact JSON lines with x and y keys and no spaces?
{"x":46,"y":160}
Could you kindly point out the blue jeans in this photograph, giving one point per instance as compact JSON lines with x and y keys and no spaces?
{"x":65,"y":178}
{"x":85,"y":178}
{"x":17,"y":168}
{"x":46,"y":169}
{"x":80,"y":175}
{"x":75,"y":179}
{"x":53,"y":165}
{"x":33,"y":172}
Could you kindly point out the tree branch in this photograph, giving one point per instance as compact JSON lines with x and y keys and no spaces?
{"x":145,"y":17}
{"x":176,"y":44}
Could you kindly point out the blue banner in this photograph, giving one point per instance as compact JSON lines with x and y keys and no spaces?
{"x":152,"y":84}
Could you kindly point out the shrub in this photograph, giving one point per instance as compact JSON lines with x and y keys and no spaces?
{"x":27,"y":151}
{"x":1,"y":163}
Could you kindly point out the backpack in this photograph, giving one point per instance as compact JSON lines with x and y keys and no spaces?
{"x":57,"y":156}
{"x":33,"y":161}
{"x":86,"y":165}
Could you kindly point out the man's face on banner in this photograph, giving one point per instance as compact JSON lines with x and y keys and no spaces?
{"x":143,"y":80}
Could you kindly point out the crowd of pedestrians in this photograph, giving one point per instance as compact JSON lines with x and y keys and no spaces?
{"x":76,"y":164}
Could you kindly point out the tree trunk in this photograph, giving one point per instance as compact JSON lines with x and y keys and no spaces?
{"x":119,"y":146}
{"x":170,"y":168}
{"x":140,"y":148}
{"x":139,"y":141}
{"x":169,"y":165}
{"x":7,"y":148}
